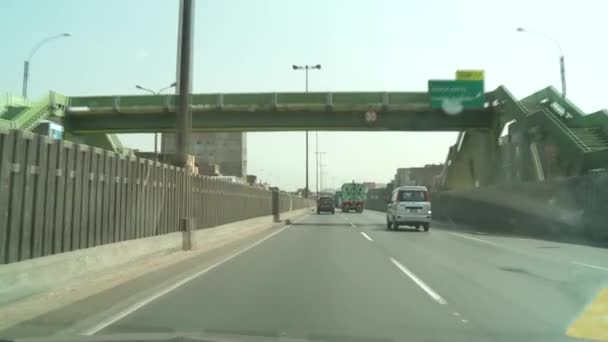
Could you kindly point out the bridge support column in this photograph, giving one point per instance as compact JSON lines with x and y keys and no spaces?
{"x":488,"y":147}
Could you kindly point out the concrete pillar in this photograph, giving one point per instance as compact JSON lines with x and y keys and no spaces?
{"x":186,"y":227}
{"x":275,"y":205}
{"x":488,"y":148}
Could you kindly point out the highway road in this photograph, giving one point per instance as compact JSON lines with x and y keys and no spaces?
{"x":344,"y":277}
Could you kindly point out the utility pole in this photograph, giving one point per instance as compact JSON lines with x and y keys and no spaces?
{"x":184,"y":81}
{"x":184,"y":116}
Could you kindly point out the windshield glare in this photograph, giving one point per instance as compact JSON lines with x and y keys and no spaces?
{"x":315,"y":170}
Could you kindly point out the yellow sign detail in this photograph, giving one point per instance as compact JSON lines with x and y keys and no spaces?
{"x":469,"y":75}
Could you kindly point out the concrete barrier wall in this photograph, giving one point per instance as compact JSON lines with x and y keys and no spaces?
{"x":376,"y":199}
{"x":564,"y":208}
{"x":57,"y":197}
{"x":26,"y":278}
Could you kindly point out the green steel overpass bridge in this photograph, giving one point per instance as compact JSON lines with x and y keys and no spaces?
{"x":545,"y":127}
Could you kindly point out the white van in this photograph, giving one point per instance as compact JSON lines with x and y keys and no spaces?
{"x":411,"y":206}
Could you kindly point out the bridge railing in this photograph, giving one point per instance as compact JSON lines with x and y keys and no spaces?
{"x":505,"y":102}
{"x":339,"y":101}
{"x":56,"y":196}
{"x":551,"y":99}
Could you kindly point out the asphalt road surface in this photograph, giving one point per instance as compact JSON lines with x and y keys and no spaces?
{"x":345,"y":277}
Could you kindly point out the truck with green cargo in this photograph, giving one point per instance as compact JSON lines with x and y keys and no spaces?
{"x":353,"y":197}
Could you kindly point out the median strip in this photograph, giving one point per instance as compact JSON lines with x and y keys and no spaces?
{"x":434,"y":295}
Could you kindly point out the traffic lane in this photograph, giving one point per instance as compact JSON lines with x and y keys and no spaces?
{"x":318,"y":278}
{"x":580,"y":255}
{"x":504,"y":292}
{"x":76,"y":317}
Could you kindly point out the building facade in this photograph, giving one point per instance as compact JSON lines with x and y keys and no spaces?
{"x":221,"y":153}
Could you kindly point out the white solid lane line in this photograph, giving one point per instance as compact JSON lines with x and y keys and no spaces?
{"x":366,"y":236}
{"x":591,"y":266}
{"x":474,"y":238}
{"x":434,"y":295}
{"x":104,"y":324}
{"x":524,"y":252}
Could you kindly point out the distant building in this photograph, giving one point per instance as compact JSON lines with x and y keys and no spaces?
{"x":402,"y":177}
{"x":216,"y":154}
{"x":418,"y":175}
{"x":426,"y":175}
{"x":369,"y":185}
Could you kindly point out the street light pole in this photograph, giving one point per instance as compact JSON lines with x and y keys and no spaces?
{"x":306,"y":68}
{"x":562,"y":69}
{"x":322,"y":171}
{"x":562,"y":63}
{"x":26,"y":63}
{"x":319,"y":172}
{"x":307,"y":78}
{"x":172,"y":85}
{"x":317,"y":161}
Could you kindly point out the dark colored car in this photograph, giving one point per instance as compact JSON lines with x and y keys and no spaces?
{"x":325,"y":204}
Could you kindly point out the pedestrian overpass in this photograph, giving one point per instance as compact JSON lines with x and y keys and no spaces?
{"x":549,"y":136}
{"x":368,"y":111}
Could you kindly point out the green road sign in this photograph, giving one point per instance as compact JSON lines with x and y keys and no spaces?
{"x":453,"y":96}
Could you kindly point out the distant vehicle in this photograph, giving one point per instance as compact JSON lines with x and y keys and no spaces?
{"x":325,"y":203}
{"x":338,"y":199}
{"x":411,"y":206}
{"x":353,"y":197}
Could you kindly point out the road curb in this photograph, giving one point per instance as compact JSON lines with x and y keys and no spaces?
{"x":21,"y":280}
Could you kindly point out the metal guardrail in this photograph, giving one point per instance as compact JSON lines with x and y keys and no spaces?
{"x":32,"y":113}
{"x":506,"y":103}
{"x":339,"y":101}
{"x":549,"y":96}
{"x":562,"y":128}
{"x":7,"y":124}
{"x":9,"y":100}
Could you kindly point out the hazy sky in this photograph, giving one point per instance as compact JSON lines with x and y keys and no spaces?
{"x":249,"y":46}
